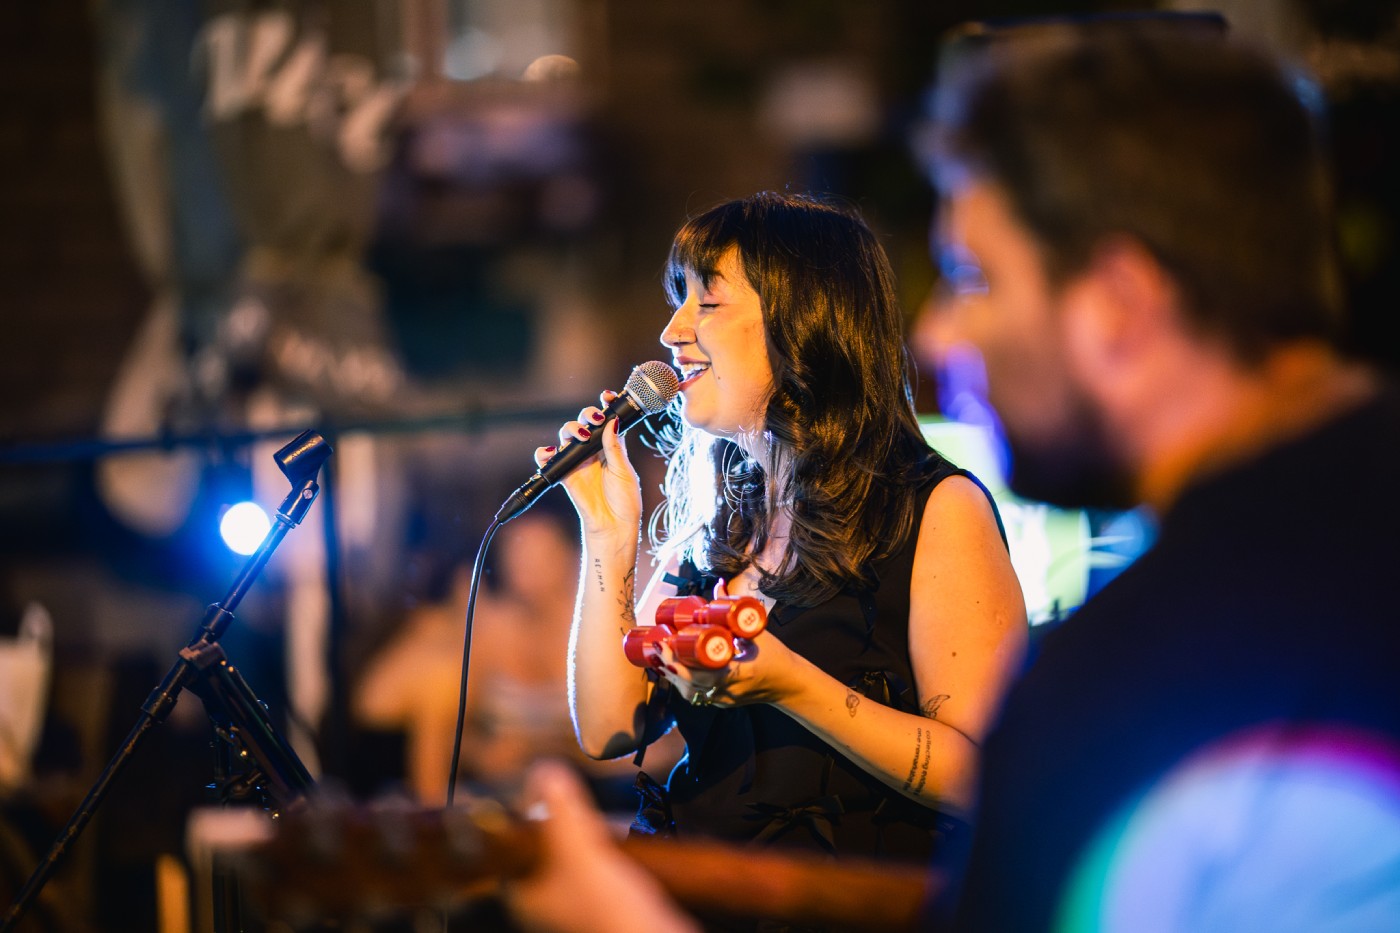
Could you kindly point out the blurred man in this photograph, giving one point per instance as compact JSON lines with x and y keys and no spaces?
{"x":1137,"y":226}
{"x":1136,"y":237}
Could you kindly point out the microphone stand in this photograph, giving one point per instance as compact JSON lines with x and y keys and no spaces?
{"x":276,"y":774}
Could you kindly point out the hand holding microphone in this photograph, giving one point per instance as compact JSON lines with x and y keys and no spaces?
{"x":649,"y":389}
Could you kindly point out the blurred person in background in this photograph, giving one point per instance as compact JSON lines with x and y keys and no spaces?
{"x":798,"y":475}
{"x":517,"y":706}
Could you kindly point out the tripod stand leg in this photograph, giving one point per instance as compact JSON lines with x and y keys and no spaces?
{"x":76,"y":823}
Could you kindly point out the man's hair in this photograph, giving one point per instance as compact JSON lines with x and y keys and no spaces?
{"x":841,"y":415}
{"x":1199,"y":148}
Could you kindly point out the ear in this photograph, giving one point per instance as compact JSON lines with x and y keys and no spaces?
{"x":1120,"y":315}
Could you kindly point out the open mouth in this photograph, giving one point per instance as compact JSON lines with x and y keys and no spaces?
{"x":691,"y":372}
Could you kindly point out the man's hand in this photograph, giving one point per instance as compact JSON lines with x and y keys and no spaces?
{"x":584,"y":883}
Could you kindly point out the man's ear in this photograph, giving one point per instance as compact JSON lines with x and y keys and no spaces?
{"x":1117,"y":314}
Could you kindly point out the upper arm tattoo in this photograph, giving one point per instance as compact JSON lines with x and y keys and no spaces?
{"x":931,"y":705}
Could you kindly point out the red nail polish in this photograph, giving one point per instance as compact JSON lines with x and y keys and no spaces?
{"x":596,"y":417}
{"x":550,"y":449}
{"x":585,"y":433}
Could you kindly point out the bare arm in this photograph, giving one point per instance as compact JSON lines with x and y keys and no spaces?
{"x":412,"y":685}
{"x":967,"y":635}
{"x":607,"y":695}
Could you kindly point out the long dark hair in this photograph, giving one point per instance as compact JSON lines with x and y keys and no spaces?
{"x":843,"y":438}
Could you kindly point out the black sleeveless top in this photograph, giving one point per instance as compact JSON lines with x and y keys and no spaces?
{"x":754,"y":774}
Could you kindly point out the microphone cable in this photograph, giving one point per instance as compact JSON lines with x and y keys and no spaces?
{"x":467,"y":656}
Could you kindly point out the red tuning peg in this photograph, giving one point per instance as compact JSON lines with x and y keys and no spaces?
{"x":700,"y":634}
{"x":700,"y":646}
{"x":742,"y":615}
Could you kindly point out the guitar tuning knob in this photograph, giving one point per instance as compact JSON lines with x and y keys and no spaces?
{"x":700,"y":634}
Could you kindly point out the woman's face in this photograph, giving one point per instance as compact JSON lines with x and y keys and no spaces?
{"x":717,"y":341}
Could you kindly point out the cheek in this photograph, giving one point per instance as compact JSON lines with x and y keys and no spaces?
{"x":1025,"y":368}
{"x":762,"y":371}
{"x":746,"y":353}
{"x":1033,"y":392}
{"x":756,"y":342}
{"x":749,"y":388}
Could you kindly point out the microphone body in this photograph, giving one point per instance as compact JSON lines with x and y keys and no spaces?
{"x":649,"y":389}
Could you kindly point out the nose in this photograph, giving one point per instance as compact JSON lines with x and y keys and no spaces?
{"x":680,"y":330}
{"x":938,"y":327}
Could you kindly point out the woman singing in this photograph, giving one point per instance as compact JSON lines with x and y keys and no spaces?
{"x":798,"y":475}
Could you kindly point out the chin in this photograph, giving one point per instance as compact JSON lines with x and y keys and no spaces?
{"x":1073,"y":462}
{"x":692,"y":421}
{"x":703,"y":421}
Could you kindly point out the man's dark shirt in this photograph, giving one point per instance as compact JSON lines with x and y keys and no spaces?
{"x":1269,"y":600}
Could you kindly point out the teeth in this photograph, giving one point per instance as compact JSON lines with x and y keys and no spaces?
{"x":691,"y":369}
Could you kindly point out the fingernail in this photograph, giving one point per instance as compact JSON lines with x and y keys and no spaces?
{"x":596,"y":417}
{"x":584,"y":432}
{"x":550,"y":449}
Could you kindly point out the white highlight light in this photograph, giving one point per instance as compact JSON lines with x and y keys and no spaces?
{"x":243,"y":527}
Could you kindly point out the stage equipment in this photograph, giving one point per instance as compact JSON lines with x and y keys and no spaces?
{"x":243,"y":526}
{"x":267,"y":770}
{"x":329,"y":862}
{"x":649,"y":389}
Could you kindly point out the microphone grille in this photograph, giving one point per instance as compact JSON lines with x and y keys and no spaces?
{"x":652,"y":385}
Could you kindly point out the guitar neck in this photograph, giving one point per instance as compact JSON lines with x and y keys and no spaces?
{"x":850,"y":893}
{"x":345,"y":862}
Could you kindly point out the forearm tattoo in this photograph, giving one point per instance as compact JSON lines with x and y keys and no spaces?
{"x":930,"y":707}
{"x":914,"y":766}
{"x":852,"y":701}
{"x":629,"y":594}
{"x":923,"y":768}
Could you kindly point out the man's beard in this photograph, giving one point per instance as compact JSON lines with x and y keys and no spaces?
{"x":1077,"y":467}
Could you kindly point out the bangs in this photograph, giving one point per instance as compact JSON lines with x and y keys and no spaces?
{"x":699,"y":246}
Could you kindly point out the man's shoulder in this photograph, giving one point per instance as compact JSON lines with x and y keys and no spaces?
{"x":1348,"y":457}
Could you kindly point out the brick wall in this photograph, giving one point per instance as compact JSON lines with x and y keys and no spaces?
{"x":70,"y":294}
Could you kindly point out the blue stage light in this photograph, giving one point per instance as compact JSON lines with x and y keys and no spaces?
{"x":243,"y":527}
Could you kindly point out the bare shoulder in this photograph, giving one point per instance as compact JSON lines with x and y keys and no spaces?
{"x":957,"y":503}
{"x":961,"y":561}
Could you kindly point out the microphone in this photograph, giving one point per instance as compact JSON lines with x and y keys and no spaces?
{"x":649,"y":388}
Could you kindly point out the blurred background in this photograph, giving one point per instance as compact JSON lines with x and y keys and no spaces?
{"x":432,"y":230}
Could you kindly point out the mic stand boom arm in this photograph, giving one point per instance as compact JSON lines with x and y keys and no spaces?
{"x":203,"y":658}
